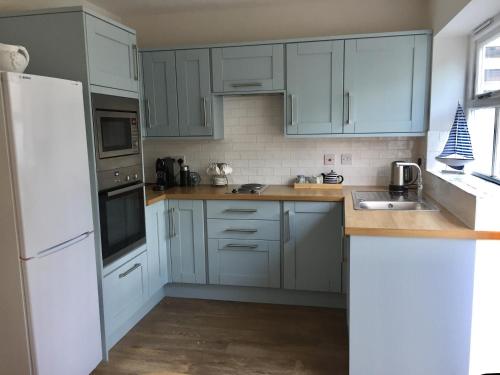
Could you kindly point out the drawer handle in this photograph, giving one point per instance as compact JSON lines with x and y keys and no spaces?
{"x":240,"y":246}
{"x":241,"y":230}
{"x":241,"y":210}
{"x":246,"y":84}
{"x":127,"y":272}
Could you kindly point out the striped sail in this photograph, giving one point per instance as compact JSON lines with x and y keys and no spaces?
{"x":458,"y":149}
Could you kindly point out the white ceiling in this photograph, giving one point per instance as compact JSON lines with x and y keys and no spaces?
{"x":127,"y":7}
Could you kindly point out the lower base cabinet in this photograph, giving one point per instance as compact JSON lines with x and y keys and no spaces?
{"x":187,"y":241}
{"x":158,"y":244}
{"x":312,"y":258}
{"x":244,"y":262}
{"x":125,"y":291}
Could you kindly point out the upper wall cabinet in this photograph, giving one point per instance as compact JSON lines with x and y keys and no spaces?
{"x":160,"y":94}
{"x":194,"y":92}
{"x":248,"y":68}
{"x":314,"y":87}
{"x":386,"y":83}
{"x":112,"y":55}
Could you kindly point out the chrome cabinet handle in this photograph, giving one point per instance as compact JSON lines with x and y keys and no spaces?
{"x":136,"y":62}
{"x":129,"y":271}
{"x":148,"y":108}
{"x":240,"y":246}
{"x":293,"y":120}
{"x":113,"y":193}
{"x":246,"y":84}
{"x":173,"y":231}
{"x":349,"y":109}
{"x":241,"y":210}
{"x":241,"y":230}
{"x":204,"y":109}
{"x":287,"y":227}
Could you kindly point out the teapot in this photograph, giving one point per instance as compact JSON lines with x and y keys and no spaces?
{"x":13,"y":58}
{"x":332,"y":178}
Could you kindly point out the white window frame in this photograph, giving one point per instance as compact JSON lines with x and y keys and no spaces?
{"x":490,"y":99}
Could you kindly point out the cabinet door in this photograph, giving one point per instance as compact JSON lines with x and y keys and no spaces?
{"x":244,"y":262}
{"x":125,"y":290}
{"x":112,"y":55}
{"x":314,"y":87}
{"x":386,"y":84}
{"x":160,"y":94}
{"x":157,"y":245}
{"x":187,"y":241}
{"x":313,"y":246}
{"x":193,"y":92}
{"x":248,"y":68}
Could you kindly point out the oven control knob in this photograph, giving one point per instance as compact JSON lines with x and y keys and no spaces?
{"x":127,"y":178}
{"x":136,"y":176}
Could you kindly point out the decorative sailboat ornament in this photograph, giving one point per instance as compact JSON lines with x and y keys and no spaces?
{"x":458,"y":149}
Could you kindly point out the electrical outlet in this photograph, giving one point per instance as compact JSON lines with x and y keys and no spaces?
{"x":329,"y":159}
{"x":346,"y":159}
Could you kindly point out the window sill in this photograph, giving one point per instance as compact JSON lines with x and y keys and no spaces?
{"x":470,"y":184}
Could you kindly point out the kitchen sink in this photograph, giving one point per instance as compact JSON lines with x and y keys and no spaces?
{"x":385,"y":200}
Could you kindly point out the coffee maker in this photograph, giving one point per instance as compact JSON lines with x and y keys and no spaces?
{"x":165,"y":173}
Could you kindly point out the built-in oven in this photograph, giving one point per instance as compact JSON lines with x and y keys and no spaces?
{"x":122,"y":219}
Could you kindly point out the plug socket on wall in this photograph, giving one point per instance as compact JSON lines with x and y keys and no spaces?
{"x":346,"y":159}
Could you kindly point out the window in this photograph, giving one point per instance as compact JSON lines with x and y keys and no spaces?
{"x":484,"y":113}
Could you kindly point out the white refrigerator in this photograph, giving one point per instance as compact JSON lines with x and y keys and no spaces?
{"x":49,"y":307}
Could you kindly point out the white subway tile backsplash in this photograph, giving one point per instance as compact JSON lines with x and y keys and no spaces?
{"x":255,"y":146}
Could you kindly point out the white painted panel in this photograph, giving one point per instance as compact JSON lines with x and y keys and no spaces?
{"x":410,"y":305}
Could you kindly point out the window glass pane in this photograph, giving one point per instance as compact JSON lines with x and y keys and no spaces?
{"x":481,"y":129}
{"x":488,"y":66}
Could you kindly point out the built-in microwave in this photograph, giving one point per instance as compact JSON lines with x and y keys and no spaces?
{"x":116,"y":126}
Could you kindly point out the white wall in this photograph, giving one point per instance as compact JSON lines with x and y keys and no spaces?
{"x":255,"y":146}
{"x":443,"y":11}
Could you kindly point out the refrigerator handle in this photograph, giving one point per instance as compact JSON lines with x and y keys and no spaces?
{"x":62,"y":245}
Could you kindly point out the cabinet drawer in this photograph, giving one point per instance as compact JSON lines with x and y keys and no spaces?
{"x":243,"y":210}
{"x":244,"y":229}
{"x":248,"y":68}
{"x":244,"y":263}
{"x":125,"y":291}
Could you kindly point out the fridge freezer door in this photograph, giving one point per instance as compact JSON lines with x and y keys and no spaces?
{"x":63,"y":310}
{"x":49,"y":160}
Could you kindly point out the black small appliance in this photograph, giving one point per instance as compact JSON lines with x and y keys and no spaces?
{"x":165,"y":173}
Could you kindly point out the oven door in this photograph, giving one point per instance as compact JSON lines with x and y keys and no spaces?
{"x":117,"y":133}
{"x":123,"y":225}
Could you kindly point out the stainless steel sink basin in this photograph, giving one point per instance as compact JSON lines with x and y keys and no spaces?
{"x":384,"y":200}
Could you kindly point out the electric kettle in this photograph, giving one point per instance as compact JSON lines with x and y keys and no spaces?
{"x":401,"y":177}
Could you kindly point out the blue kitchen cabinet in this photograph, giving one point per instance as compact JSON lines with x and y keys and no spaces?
{"x":187,"y":241}
{"x":314,"y":87}
{"x":125,"y":291}
{"x":244,"y":262}
{"x":386,"y":84}
{"x":312,"y":246}
{"x":194,"y":92}
{"x":248,"y":68}
{"x":112,"y":55}
{"x":160,"y":94}
{"x":244,"y":243}
{"x":158,"y":245}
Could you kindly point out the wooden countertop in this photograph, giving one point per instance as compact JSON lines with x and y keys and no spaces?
{"x":440,"y":224}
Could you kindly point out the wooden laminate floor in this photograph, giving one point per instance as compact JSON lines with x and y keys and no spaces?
{"x":184,"y":336}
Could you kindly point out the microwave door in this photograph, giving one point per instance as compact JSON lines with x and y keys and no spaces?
{"x":117,"y":133}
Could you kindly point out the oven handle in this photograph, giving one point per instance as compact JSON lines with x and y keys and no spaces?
{"x":124,"y":190}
